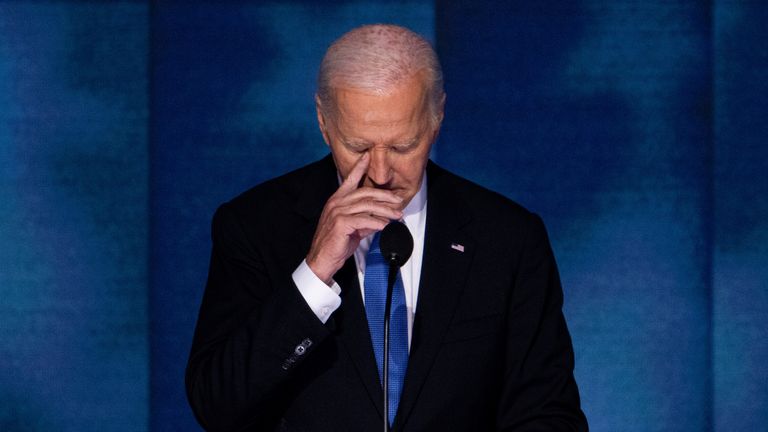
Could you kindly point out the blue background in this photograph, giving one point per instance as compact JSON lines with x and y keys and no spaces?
{"x":635,"y":128}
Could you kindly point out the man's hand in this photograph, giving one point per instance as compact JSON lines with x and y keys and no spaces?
{"x":350,"y":215}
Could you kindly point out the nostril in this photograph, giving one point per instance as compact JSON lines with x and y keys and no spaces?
{"x":379,"y":181}
{"x":387,"y":185}
{"x":380,"y":178}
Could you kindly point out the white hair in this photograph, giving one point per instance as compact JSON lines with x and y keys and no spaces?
{"x":377,"y":58}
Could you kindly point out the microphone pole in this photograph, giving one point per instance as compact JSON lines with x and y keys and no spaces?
{"x":396,"y":245}
{"x":385,"y":368}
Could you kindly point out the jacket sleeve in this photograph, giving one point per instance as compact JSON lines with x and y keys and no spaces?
{"x":253,"y":330}
{"x":539,"y":392}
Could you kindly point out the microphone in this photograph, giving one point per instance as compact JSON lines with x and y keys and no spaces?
{"x":396,"y":245}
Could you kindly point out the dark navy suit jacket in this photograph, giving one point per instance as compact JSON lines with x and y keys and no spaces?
{"x":490,"y":349}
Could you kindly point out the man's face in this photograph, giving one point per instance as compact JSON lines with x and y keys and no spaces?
{"x":394,"y":128}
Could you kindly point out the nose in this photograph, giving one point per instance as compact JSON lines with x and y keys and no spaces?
{"x":380,"y":168}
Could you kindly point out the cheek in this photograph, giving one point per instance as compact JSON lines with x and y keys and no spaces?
{"x":344,"y":160}
{"x":410,"y":169}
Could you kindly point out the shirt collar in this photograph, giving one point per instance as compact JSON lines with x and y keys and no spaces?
{"x":415,"y":208}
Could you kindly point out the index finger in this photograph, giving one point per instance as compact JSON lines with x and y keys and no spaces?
{"x":353,"y":178}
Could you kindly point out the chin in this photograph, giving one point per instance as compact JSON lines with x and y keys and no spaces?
{"x":407,"y":197}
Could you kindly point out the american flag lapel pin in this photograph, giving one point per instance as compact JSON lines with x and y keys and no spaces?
{"x":457,"y":246}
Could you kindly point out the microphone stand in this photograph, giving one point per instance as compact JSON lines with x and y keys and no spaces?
{"x":396,"y":246}
{"x":393,"y":268}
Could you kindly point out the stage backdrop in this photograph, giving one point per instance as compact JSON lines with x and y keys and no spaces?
{"x":635,"y":129}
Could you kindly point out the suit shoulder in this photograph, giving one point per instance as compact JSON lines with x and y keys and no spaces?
{"x":279,"y":193}
{"x":482,"y":202}
{"x":493,"y":220}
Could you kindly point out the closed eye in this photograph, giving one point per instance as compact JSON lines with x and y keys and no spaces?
{"x":407,"y":146}
{"x":357,"y":147}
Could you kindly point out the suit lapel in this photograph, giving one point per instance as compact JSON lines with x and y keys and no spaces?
{"x":349,"y":323}
{"x":447,"y":255}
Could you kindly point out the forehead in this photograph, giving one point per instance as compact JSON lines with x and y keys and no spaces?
{"x":402,"y":105}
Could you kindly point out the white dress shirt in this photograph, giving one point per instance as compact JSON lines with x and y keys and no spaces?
{"x":324,"y":300}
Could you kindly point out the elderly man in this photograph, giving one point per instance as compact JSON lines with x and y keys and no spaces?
{"x":289,"y":337}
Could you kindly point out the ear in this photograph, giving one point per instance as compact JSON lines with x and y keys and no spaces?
{"x":321,"y":120}
{"x":439,"y":118}
{"x":442,"y":111}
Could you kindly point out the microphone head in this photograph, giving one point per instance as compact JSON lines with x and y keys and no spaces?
{"x":396,"y":243}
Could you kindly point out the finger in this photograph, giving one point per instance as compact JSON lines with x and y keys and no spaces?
{"x":372,"y":208}
{"x":353,"y":178}
{"x":363,"y":233}
{"x":362,"y":223}
{"x":369,"y":193}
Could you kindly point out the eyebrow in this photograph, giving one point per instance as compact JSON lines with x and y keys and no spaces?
{"x":411,"y":142}
{"x":361,"y":143}
{"x":355,"y":142}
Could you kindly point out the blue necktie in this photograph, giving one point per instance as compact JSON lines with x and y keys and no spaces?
{"x":376,"y":271}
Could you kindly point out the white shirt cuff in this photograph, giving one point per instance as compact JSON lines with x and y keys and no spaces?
{"x":321,"y":298}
